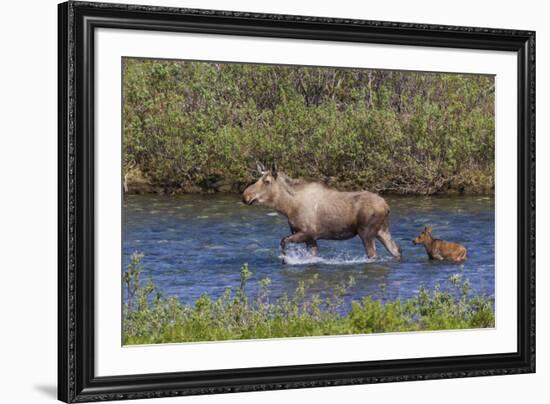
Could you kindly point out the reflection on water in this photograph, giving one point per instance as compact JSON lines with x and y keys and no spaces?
{"x":196,"y":244}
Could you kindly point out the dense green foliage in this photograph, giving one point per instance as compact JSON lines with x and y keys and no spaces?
{"x":194,"y":125}
{"x":151,"y":318}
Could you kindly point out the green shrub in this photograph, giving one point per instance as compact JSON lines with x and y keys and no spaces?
{"x":196,"y":124}
{"x":156,"y":319}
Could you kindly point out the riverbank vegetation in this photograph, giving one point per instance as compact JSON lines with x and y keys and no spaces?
{"x":149,"y":317}
{"x":200,"y":127}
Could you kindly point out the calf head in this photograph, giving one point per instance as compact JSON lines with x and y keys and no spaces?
{"x":424,"y":237}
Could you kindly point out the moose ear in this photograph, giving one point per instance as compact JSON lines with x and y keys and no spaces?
{"x":274,"y":170}
{"x":260,"y":167}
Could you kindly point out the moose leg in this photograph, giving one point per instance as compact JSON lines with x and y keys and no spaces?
{"x":370,"y":246}
{"x":312,"y":245}
{"x":368,"y":237}
{"x":292,"y":229}
{"x":293,"y":238}
{"x":385,"y":238}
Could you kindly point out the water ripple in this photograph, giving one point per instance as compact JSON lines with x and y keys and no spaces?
{"x":195,"y":244}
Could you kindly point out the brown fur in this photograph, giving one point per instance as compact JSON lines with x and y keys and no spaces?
{"x":439,"y":249}
{"x":316,"y":212}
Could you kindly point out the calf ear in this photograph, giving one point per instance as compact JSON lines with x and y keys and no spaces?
{"x":429,"y":229}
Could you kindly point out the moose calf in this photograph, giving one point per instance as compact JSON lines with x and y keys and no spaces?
{"x":439,"y":249}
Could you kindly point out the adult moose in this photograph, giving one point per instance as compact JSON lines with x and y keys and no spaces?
{"x":316,"y":212}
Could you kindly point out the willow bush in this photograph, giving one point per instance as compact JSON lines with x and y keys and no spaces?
{"x":196,"y":125}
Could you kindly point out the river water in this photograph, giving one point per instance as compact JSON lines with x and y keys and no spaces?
{"x":196,"y":244}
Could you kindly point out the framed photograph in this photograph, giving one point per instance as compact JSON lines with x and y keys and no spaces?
{"x":253,"y":202}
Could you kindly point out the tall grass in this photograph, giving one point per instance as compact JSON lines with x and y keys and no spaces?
{"x":149,"y":317}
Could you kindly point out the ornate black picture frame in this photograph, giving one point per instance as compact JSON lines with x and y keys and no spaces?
{"x":77,"y":23}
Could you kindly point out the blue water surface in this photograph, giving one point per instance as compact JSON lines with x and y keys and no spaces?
{"x":196,"y":244}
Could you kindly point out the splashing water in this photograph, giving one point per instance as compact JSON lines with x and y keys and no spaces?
{"x":301,"y":256}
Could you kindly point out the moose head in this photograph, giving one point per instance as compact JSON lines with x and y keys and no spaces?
{"x":266,"y":189}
